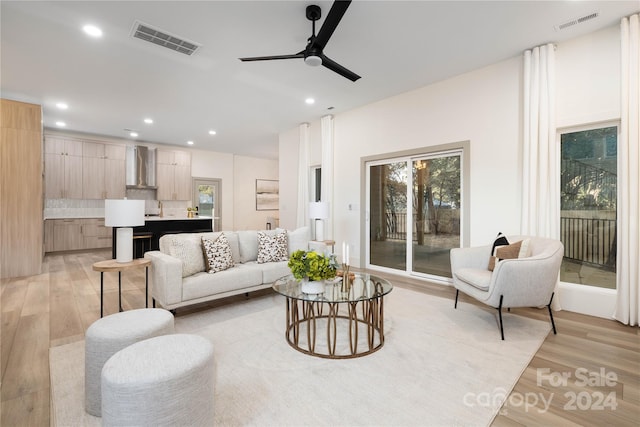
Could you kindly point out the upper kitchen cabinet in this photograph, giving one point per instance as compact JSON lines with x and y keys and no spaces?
{"x":103,"y":171}
{"x":62,"y":168}
{"x":173,"y":175}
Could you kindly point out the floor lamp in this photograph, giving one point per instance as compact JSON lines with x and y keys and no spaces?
{"x":124,"y":214}
{"x":319,"y":211}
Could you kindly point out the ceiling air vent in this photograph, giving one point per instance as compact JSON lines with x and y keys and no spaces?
{"x":577,"y":21}
{"x":162,"y":38}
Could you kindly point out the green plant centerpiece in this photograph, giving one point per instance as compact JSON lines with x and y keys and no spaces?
{"x":310,"y":266}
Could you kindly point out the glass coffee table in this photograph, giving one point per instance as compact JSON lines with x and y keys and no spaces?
{"x":352,"y":320}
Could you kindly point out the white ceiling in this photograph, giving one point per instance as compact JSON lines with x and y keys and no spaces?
{"x":113,"y":83}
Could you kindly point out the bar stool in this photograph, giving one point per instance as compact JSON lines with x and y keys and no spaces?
{"x":141,"y":244}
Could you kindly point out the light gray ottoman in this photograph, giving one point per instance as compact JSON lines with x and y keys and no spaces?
{"x":110,"y":334}
{"x":161,"y":381}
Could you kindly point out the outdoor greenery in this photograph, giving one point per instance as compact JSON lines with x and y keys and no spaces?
{"x":436,"y":185}
{"x":588,"y":179}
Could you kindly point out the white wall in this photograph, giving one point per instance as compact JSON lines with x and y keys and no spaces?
{"x":245,"y":171}
{"x":477,"y":106}
{"x":288,"y":168}
{"x":588,"y":78}
{"x":238,"y":175}
{"x":483,"y":107}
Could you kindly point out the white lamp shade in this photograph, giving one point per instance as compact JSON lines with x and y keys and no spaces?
{"x":123,"y":213}
{"x":319,"y":210}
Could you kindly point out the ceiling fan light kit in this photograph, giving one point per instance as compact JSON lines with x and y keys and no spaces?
{"x":313,"y":53}
{"x":313,"y":60}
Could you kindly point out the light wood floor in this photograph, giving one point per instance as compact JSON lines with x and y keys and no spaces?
{"x":57,"y":306}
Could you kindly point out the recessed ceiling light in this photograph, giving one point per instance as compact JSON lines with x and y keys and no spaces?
{"x":148,"y":121}
{"x":212,"y":132}
{"x":190,"y":142}
{"x":62,"y":105}
{"x":92,"y":30}
{"x":133,"y":134}
{"x":310,"y":101}
{"x":61,"y":124}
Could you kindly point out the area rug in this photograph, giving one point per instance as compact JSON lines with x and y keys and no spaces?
{"x":438,"y":366}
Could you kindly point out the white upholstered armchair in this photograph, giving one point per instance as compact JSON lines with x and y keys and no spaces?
{"x":520,"y":282}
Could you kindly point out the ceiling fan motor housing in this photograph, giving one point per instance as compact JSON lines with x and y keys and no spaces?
{"x":313,"y":12}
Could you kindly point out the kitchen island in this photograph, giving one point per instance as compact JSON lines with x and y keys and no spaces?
{"x":155,"y":227}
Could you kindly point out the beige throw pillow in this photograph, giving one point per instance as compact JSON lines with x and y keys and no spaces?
{"x":189,"y":251}
{"x":512,"y":251}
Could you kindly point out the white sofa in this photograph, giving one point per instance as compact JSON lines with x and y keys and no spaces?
{"x":178,"y":277}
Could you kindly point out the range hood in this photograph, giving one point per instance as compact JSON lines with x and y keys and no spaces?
{"x":141,"y":167}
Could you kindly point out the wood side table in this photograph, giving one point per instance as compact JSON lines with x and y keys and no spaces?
{"x":113,"y":265}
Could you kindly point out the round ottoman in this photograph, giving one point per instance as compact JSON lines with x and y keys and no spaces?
{"x":165,"y":380}
{"x":110,"y":334}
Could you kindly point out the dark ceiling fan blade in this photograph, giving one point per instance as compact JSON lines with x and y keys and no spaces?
{"x":334,"y":66}
{"x":332,"y":20}
{"x":269,"y":58}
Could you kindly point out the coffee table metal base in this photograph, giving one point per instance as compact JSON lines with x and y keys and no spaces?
{"x":363,"y":316}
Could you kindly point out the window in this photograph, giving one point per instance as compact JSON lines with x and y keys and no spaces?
{"x":316,"y":183}
{"x":588,"y":200}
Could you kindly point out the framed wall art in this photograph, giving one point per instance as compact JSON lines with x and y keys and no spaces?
{"x":267,"y":195}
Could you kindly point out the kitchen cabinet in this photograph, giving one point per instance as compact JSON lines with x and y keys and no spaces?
{"x":103,"y":168}
{"x":173,"y":175}
{"x":67,"y":235}
{"x":62,"y":168}
{"x":76,"y":233}
{"x":95,"y":234}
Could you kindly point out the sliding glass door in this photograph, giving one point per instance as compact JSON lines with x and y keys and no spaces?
{"x":414,"y":213}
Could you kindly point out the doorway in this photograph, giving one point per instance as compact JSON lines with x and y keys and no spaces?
{"x":415,"y":210}
{"x":206,"y":197}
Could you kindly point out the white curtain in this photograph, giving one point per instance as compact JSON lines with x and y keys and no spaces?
{"x":302,"y":215}
{"x":541,"y":165}
{"x":628,"y":254}
{"x":327,"y":172}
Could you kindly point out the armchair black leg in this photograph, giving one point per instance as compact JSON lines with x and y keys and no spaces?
{"x":553,"y":324}
{"x":500,"y":316}
{"x":456,"y":303}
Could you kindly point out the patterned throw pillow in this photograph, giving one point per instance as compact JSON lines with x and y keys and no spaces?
{"x":217,"y":254}
{"x":272,"y":248}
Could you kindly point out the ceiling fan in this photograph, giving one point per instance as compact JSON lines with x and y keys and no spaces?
{"x":312,"y":53}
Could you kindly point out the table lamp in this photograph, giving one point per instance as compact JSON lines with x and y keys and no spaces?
{"x":124,"y":214}
{"x":319,"y":211}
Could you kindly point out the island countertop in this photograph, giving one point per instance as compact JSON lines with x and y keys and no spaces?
{"x":174,"y":218}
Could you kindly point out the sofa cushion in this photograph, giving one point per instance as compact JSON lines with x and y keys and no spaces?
{"x":270,"y":271}
{"x":188,"y":250}
{"x":203,"y":285}
{"x":298,"y":239}
{"x":475,"y":277}
{"x":272,"y":248}
{"x":248,"y":245}
{"x":217,"y":254}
